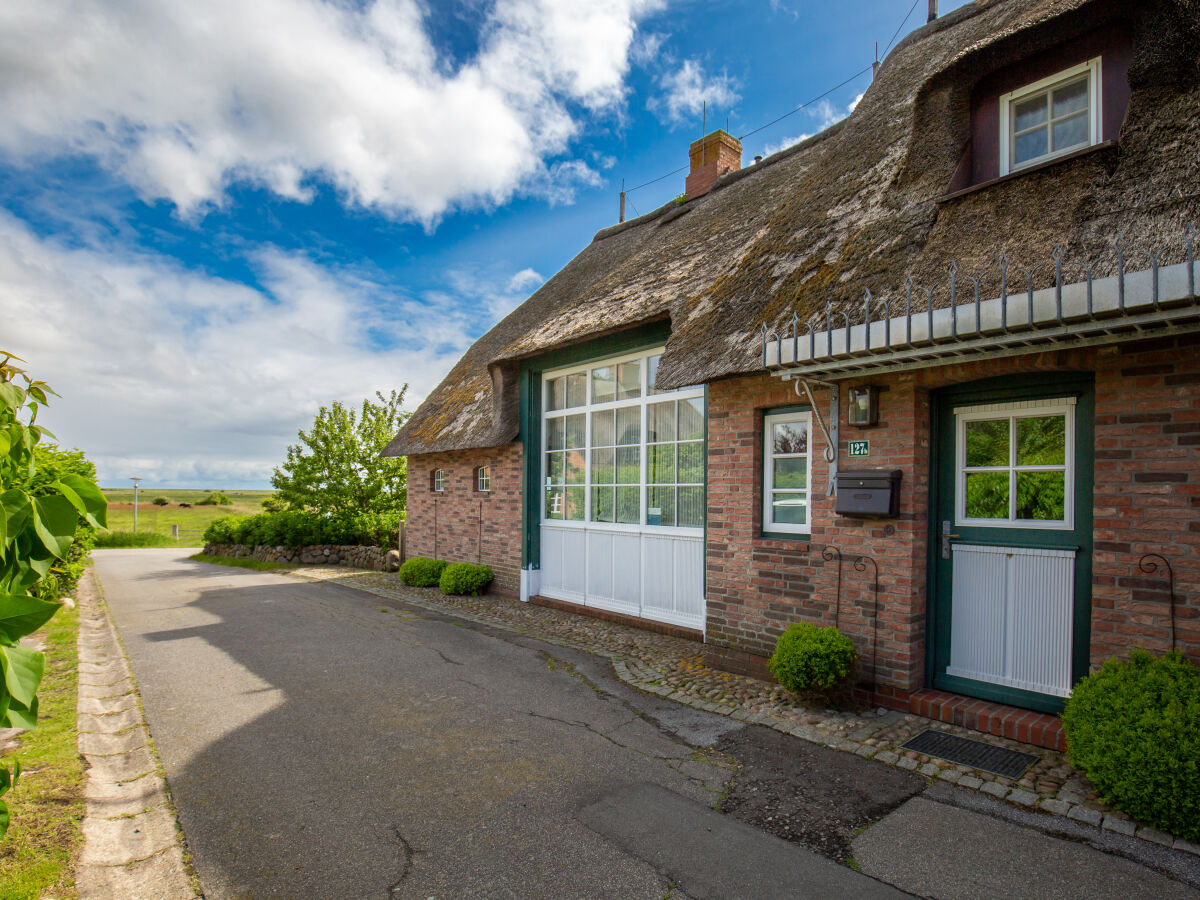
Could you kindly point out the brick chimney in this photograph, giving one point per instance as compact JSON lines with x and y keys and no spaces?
{"x":712,"y":156}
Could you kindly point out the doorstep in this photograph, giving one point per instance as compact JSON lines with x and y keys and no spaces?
{"x":1026,"y":726}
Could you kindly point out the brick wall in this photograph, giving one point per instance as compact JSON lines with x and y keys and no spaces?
{"x":757,"y":586}
{"x":1147,"y":495}
{"x":463,"y":524}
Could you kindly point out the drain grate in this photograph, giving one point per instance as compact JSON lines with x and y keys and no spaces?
{"x":976,"y":754}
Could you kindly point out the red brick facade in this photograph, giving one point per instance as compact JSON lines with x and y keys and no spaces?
{"x":1147,"y":500}
{"x":1147,"y":496}
{"x":462,"y":523}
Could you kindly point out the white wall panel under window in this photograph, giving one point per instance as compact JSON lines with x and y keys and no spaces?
{"x":622,"y":491}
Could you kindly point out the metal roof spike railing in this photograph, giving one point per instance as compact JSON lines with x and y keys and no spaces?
{"x":953,"y":302}
{"x":1120,"y":245}
{"x":1089,"y":311}
{"x":1004,"y":290}
{"x":1190,"y":232}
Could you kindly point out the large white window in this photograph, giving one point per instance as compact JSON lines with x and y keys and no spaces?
{"x":1051,"y":117}
{"x":787,"y":472}
{"x":620,"y":452}
{"x":1016,"y":464}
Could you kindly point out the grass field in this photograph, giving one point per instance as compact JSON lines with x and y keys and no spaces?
{"x":191,"y":522}
{"x":36,"y":856}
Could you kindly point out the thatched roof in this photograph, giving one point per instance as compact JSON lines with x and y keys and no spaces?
{"x":860,"y":205}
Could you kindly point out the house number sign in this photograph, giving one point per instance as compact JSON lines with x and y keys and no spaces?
{"x":860,"y":448}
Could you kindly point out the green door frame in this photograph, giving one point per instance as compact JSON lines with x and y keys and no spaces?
{"x":942,"y":474}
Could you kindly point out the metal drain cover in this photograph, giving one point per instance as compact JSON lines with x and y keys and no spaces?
{"x":976,"y":754}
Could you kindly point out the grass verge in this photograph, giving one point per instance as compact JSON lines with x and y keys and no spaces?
{"x":132,"y":539}
{"x":36,"y":857}
{"x":242,"y":563}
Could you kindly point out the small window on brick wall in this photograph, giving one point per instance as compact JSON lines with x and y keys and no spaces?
{"x":787,"y":470}
{"x":437,"y":480}
{"x":483,"y":478}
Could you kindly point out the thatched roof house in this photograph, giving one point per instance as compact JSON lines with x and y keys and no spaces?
{"x":864,"y":204}
{"x":953,"y":341}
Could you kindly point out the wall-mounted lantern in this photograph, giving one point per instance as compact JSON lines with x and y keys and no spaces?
{"x":864,"y":405}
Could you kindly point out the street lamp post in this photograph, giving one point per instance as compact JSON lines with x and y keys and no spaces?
{"x":135,"y":481}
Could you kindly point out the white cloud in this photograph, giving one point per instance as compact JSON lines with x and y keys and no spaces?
{"x":184,"y":98}
{"x":184,"y":378}
{"x":688,"y":88}
{"x":825,"y":113}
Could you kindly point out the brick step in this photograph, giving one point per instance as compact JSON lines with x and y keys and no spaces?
{"x":1026,"y":726}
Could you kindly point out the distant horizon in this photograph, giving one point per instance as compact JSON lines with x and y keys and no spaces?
{"x":200,"y":490}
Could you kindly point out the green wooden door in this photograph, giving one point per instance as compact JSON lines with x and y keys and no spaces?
{"x":1011,"y":538}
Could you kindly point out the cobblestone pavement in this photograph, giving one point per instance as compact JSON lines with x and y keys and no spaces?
{"x":673,"y":668}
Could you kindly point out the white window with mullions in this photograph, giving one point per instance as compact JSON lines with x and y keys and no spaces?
{"x":1016,"y":464}
{"x":787,"y":472}
{"x":1051,"y":117}
{"x":619,"y":453}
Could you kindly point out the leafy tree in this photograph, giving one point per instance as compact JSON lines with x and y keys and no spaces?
{"x":337,"y":469}
{"x":38,"y":521}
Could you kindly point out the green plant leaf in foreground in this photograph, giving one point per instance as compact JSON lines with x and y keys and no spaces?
{"x":21,"y":614}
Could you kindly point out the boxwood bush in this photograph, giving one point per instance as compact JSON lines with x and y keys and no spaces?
{"x":421,"y":571}
{"x":1133,"y":728}
{"x":465,"y":578}
{"x":812,"y":660}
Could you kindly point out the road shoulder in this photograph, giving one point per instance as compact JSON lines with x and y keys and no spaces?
{"x":133,"y":847}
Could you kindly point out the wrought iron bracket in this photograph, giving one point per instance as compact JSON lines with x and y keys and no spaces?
{"x":831,"y":435}
{"x":1149,"y":566}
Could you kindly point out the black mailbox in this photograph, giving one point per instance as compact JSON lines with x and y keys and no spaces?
{"x":868,"y":493}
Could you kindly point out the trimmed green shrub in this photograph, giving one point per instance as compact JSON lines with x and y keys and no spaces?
{"x":1132,"y":728}
{"x":465,"y":578}
{"x":808,"y":659}
{"x":160,"y":501}
{"x":421,"y":571}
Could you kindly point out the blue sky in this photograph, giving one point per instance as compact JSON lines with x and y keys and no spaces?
{"x":216,"y":217}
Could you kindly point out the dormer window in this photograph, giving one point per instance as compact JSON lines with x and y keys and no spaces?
{"x":1051,"y":117}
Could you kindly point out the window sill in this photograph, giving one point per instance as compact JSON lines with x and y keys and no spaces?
{"x":783,"y":539}
{"x":1038,"y":167}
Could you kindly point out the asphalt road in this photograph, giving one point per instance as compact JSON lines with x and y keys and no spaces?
{"x":319,"y":742}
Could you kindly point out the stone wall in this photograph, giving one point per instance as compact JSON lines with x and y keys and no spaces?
{"x":317,"y":555}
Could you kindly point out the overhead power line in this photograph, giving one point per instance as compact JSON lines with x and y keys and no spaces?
{"x":774,"y":121}
{"x":803,"y":105}
{"x":903,"y":22}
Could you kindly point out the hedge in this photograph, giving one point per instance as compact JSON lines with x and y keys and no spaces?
{"x":296,"y":528}
{"x":1133,"y":728}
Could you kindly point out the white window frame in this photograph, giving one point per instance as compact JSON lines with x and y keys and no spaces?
{"x":769,"y":421}
{"x":439,"y":481}
{"x":1091,"y":68}
{"x":1064,"y":406}
{"x":646,"y":399}
{"x":483,"y":479}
